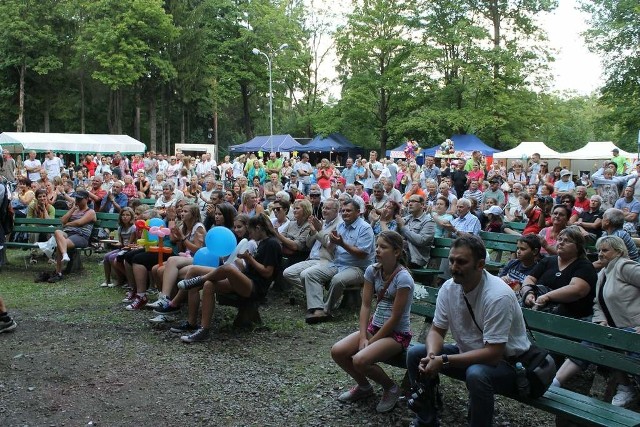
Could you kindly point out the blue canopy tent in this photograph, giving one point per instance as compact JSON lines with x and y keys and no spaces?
{"x":277,"y":143}
{"x":334,"y":142}
{"x":464,"y":144}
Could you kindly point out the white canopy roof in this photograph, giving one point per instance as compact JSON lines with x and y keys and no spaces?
{"x":596,"y":150}
{"x":527,"y":149}
{"x":70,"y":143}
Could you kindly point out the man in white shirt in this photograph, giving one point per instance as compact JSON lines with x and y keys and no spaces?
{"x":163,"y":164}
{"x":374,"y":171}
{"x":204,"y":166}
{"x":392,"y":192}
{"x":33,"y":166}
{"x":226,"y":164}
{"x":304,"y":170}
{"x":150,"y":165}
{"x":53,"y":165}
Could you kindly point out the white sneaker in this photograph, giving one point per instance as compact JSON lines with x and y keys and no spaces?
{"x":162,"y":318}
{"x":625,"y":395}
{"x":161,"y":302}
{"x":105,"y":285}
{"x":65,"y":257}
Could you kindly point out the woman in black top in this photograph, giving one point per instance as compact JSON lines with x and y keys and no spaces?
{"x":252,"y":284}
{"x":570,"y":277}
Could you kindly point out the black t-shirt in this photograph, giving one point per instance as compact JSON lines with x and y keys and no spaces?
{"x":269,"y":253}
{"x":516,"y":271}
{"x":591,"y":217}
{"x":548,"y":274}
{"x":459,"y":181}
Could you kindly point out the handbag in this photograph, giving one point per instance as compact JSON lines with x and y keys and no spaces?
{"x":540,"y":366}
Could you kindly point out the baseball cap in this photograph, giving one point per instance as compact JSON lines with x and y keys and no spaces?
{"x":315,"y":193}
{"x":81,"y":194}
{"x":565,"y":172}
{"x":358,"y":183}
{"x":293,"y":174}
{"x":615,"y":150}
{"x":495,"y":210}
{"x":341,"y":180}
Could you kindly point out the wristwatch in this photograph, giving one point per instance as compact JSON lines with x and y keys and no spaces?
{"x":445,"y":360}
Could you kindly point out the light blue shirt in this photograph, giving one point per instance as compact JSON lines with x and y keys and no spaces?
{"x":468,"y":223}
{"x":349,"y":174}
{"x":359,"y":234}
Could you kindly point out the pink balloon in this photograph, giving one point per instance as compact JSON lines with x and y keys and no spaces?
{"x":154,"y":230}
{"x":166,"y":231}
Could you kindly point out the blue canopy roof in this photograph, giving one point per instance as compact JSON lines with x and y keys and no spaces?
{"x":277,"y":143}
{"x":335,"y":142}
{"x":464,"y":143}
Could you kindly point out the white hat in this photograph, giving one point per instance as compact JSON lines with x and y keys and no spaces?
{"x":565,"y":172}
{"x":496,"y":210}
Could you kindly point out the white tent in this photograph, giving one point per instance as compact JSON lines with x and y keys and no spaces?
{"x":596,"y":150}
{"x":526,"y":149}
{"x":70,"y":143}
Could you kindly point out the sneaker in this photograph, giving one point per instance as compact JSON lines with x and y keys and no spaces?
{"x":389,"y":399}
{"x":185,"y":326}
{"x":355,"y":393}
{"x":162,"y":318}
{"x":7,"y":325}
{"x":112,"y":285}
{"x":65,"y":257}
{"x":160,"y":302}
{"x":138,"y":303}
{"x":129,"y":297}
{"x":625,"y":394}
{"x":56,"y":277}
{"x":200,"y":334}
{"x":106,"y":285}
{"x":166,"y":309}
{"x":194,"y":282}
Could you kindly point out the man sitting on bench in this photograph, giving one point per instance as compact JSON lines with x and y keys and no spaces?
{"x":77,"y":226}
{"x":354,"y":251}
{"x":486,"y":323}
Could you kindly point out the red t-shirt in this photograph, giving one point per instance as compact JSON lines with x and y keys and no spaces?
{"x":532,"y":226}
{"x":581,"y":206}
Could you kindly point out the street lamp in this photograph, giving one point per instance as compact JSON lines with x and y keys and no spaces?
{"x":257,"y":51}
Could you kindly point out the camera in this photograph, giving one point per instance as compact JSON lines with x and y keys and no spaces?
{"x":426,"y":400}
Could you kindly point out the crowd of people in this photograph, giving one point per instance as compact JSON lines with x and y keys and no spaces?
{"x":325,"y":228}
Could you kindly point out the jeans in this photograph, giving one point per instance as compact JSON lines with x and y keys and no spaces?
{"x":483,"y":382}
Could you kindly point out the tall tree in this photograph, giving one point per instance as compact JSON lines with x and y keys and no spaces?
{"x":615,"y":35}
{"x":28,"y":42}
{"x":377,"y":62}
{"x":127,"y":43}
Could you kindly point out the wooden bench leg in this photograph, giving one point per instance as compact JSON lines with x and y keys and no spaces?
{"x":248,"y":316}
{"x":75,"y":265}
{"x":351,"y":299}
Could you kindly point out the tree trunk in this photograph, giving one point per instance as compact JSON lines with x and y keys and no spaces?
{"x":110,"y":124}
{"x":47,"y":107}
{"x":136,"y":120}
{"x":182,"y":126}
{"x":82,"y":107}
{"x":153,"y":137}
{"x":246,"y":112}
{"x":118,"y":100}
{"x":163,"y":128}
{"x":20,"y":120}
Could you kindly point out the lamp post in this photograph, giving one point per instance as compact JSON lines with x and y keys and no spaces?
{"x":257,"y":51}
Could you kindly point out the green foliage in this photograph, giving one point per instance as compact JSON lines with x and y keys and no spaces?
{"x":615,"y":35}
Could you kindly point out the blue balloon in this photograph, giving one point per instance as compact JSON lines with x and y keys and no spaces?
{"x":156,"y":222}
{"x":204,"y":257}
{"x":220,"y":241}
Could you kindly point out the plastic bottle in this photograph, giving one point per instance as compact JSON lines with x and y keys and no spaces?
{"x":522,"y":381}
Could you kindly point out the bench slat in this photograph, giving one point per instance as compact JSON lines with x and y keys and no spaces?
{"x":583,"y":409}
{"x":578,"y":330}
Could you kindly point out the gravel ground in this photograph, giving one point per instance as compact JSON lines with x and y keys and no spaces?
{"x":115,"y":369}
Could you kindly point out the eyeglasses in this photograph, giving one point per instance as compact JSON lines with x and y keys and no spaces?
{"x":277,"y":209}
{"x":564,"y":240}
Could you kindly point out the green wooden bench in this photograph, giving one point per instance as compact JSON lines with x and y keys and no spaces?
{"x":563,"y":336}
{"x":148,"y":202}
{"x":498,"y":243}
{"x":439,"y":251}
{"x":516,"y":226}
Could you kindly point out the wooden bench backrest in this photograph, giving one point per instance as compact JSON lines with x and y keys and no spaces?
{"x":564,"y":336}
